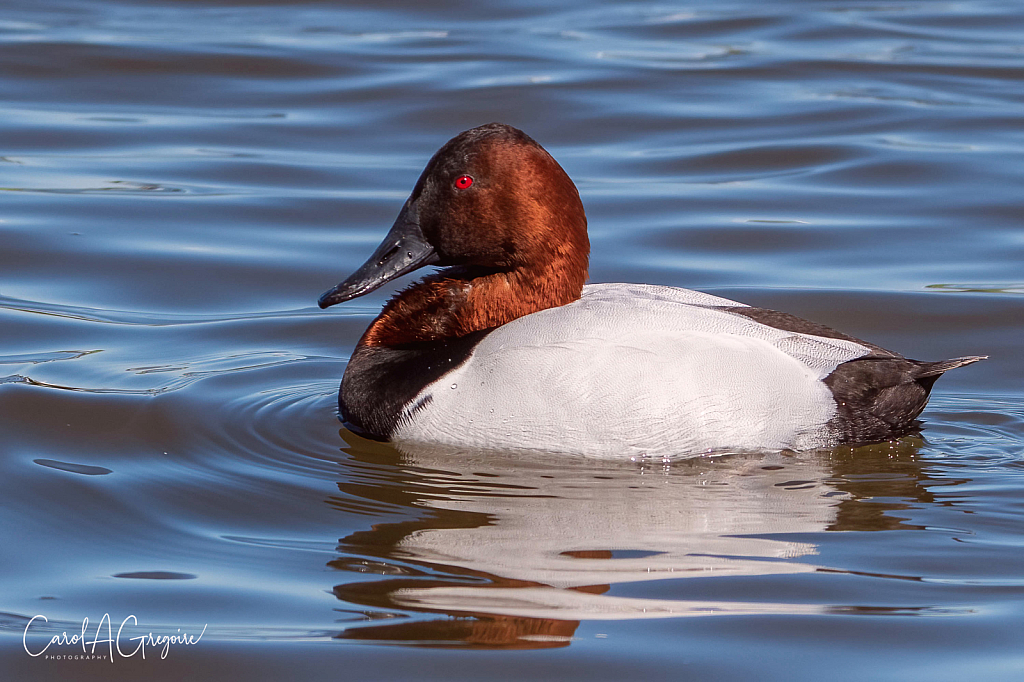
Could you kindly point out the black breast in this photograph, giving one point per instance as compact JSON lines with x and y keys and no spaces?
{"x":381,"y":382}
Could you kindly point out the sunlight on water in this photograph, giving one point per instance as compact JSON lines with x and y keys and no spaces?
{"x":179,"y":181}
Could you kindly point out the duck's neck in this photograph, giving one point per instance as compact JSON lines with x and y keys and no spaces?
{"x":459,"y":301}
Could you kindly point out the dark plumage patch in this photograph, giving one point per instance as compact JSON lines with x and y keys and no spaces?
{"x":381,"y":381}
{"x":792,"y":323}
{"x":878,"y":396}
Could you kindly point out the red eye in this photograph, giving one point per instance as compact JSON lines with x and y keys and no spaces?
{"x":463,"y":182}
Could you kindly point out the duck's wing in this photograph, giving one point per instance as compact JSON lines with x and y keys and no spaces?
{"x":626,"y":309}
{"x":878,"y":393}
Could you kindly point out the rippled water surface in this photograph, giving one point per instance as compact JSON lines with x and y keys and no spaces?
{"x":181,"y":180}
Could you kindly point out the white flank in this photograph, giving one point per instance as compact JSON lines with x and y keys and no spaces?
{"x":631,"y":370}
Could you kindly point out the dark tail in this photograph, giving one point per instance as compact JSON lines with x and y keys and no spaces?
{"x":934,"y":369}
{"x":880,"y":397}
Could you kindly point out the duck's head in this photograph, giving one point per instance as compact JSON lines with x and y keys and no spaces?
{"x":492,"y":199}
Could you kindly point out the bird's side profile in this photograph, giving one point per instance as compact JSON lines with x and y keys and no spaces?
{"x":507,"y":348}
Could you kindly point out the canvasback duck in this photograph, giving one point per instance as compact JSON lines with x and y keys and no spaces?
{"x":507,"y":349}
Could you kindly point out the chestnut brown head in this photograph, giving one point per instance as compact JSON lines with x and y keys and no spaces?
{"x":490,"y":198}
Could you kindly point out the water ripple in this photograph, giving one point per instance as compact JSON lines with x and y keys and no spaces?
{"x":183,"y":179}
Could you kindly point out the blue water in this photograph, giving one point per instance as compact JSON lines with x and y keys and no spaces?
{"x":181,"y":180}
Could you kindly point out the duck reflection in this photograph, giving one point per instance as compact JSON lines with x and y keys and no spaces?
{"x":516,"y":551}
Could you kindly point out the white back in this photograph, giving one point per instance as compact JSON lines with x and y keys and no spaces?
{"x":633,"y":369}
